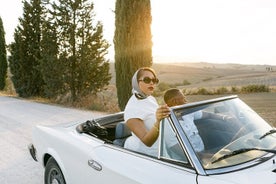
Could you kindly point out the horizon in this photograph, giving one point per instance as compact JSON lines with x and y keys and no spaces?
{"x":180,"y":61}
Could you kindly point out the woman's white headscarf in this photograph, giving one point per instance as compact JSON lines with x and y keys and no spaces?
{"x":135,"y":87}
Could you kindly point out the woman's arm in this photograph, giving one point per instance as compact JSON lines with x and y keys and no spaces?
{"x":148,"y":137}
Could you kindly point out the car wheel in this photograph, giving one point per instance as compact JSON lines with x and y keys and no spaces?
{"x":53,"y":174}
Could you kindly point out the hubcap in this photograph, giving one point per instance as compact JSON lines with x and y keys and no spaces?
{"x":55,"y":181}
{"x":55,"y":177}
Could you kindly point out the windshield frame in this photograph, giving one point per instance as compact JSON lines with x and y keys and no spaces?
{"x":192,"y":155}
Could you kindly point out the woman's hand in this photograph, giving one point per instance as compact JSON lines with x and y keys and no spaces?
{"x":162,"y":112}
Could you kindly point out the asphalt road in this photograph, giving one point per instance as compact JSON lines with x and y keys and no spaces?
{"x":17,"y":119}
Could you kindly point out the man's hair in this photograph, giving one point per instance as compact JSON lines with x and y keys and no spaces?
{"x":171,"y":93}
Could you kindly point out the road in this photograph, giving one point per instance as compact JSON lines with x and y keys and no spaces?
{"x":17,"y":119}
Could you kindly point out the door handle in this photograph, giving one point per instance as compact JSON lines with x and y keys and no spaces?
{"x":95,"y":165}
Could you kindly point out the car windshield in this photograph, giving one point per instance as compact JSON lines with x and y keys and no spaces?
{"x":224,"y":133}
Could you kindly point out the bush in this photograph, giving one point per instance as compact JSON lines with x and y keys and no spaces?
{"x":254,"y":89}
{"x":202,"y":91}
{"x":225,"y":90}
{"x":221,"y":90}
{"x":234,"y":89}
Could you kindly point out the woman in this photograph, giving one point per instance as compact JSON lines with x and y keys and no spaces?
{"x":142,"y":114}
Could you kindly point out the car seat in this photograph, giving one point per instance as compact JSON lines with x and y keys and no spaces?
{"x":122,"y":132}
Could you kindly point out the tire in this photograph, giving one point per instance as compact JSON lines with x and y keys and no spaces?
{"x":53,"y":174}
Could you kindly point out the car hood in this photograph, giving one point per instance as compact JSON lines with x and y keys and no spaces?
{"x":261,"y":173}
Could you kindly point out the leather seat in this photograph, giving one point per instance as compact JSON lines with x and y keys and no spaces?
{"x":122,"y":132}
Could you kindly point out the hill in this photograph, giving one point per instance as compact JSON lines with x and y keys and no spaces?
{"x":213,"y":75}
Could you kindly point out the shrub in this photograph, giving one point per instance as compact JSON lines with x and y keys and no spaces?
{"x":202,"y":91}
{"x":254,"y":88}
{"x":234,"y":89}
{"x":221,"y":90}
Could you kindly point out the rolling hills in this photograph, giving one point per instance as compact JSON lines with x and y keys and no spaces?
{"x":212,"y":75}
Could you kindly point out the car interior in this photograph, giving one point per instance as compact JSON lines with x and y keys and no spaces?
{"x":112,"y":130}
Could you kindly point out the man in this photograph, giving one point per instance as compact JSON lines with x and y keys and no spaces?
{"x":174,"y":97}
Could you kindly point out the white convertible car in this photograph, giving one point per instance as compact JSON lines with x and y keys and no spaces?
{"x":239,"y":147}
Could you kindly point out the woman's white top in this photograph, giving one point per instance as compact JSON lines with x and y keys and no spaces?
{"x":145,"y":110}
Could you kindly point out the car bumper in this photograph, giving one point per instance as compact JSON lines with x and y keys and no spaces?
{"x":32,"y":151}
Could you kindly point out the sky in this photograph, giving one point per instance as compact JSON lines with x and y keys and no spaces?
{"x":216,"y":31}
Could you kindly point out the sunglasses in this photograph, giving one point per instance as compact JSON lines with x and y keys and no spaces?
{"x":148,"y":80}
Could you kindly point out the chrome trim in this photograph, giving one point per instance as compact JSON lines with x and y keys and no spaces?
{"x":191,"y":155}
{"x":95,"y":165}
{"x":204,"y":102}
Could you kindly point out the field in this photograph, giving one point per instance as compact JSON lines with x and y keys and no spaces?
{"x":212,"y":75}
{"x":208,"y":75}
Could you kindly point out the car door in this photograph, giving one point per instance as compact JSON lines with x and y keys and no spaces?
{"x":126,"y":167}
{"x":115,"y":164}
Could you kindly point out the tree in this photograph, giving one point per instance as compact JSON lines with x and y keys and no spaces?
{"x":132,"y":43}
{"x":3,"y":57}
{"x":81,"y":47}
{"x":16,"y":54}
{"x":50,"y":66}
{"x":25,"y":52}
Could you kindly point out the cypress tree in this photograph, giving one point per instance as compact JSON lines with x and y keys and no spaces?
{"x":16,"y":54}
{"x":132,"y":43}
{"x":25,"y":52}
{"x":3,"y":57}
{"x":50,"y":66}
{"x":82,"y":48}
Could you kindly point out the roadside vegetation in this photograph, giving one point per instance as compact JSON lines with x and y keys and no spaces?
{"x":259,"y":97}
{"x":223,"y":90}
{"x":193,"y":84}
{"x":106,"y":100}
{"x":58,"y":49}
